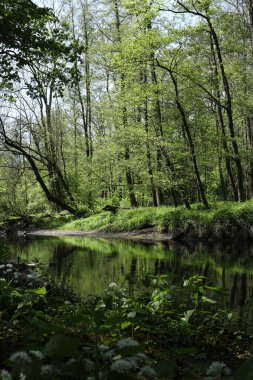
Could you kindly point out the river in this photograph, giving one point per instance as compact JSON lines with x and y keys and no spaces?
{"x":89,"y":264}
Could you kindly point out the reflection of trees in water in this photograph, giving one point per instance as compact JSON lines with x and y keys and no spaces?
{"x":219,"y":258}
{"x":234,"y":290}
{"x":206,"y":272}
{"x":226,"y":251}
{"x":133,"y":268}
{"x":223,"y":278}
{"x":239,"y":290}
{"x":90,"y":256}
{"x":161,"y":267}
{"x":240,"y":293}
{"x":112,"y":256}
{"x":4,"y":251}
{"x":243,"y":290}
{"x":20,"y":246}
{"x":95,"y":264}
{"x":61,"y":262}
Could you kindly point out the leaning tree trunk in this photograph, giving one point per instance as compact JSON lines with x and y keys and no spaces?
{"x":175,"y":192}
{"x":50,"y":196}
{"x":229,"y":111}
{"x":221,"y":125}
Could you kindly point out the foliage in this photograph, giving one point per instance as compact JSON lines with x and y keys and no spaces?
{"x":155,"y":111}
{"x":49,"y":332}
{"x":51,"y":220}
{"x":221,"y":221}
{"x":21,"y":37}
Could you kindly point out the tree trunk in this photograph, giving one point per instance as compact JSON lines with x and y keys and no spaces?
{"x":129,"y":179}
{"x":18,"y":148}
{"x":87,"y":78}
{"x":159,"y":128}
{"x":148,"y":153}
{"x":249,"y":120}
{"x":186,"y":128}
{"x":221,"y":125}
{"x":228,"y":107}
{"x":229,"y":111}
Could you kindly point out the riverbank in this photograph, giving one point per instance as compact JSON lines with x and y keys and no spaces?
{"x":147,"y":235}
{"x":223,"y":221}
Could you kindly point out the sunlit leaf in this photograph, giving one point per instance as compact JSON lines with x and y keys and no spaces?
{"x":39,"y":291}
{"x":187,"y":315}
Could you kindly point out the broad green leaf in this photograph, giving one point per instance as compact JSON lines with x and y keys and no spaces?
{"x":187,"y":315}
{"x":125,"y":324}
{"x":39,"y":291}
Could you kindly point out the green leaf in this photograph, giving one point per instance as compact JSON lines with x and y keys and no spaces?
{"x":125,"y":324}
{"x":187,"y":315}
{"x":40,"y":291}
{"x":201,"y":290}
{"x":208,"y":300}
{"x":214,"y":288}
{"x":131,"y":315}
{"x":16,"y":293}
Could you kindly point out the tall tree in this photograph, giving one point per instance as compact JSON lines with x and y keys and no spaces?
{"x":45,"y":76}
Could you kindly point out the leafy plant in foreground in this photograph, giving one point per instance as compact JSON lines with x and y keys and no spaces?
{"x":53,"y":334}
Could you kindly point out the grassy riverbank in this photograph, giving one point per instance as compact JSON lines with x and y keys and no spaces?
{"x":222,"y":221}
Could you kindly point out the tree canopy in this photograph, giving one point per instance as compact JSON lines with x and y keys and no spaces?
{"x":126,"y":102}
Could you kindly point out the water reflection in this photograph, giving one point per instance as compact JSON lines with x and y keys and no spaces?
{"x":90,"y":264}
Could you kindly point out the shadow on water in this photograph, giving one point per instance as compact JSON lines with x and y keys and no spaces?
{"x":90,"y":264}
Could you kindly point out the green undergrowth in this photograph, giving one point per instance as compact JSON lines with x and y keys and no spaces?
{"x":51,"y":221}
{"x":221,"y":220}
{"x":146,"y":329}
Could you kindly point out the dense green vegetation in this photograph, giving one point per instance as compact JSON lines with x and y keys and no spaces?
{"x":145,"y":106}
{"x":131,"y":103}
{"x":50,"y":333}
{"x":220,"y":221}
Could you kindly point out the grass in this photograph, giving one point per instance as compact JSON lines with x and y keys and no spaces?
{"x":220,"y":221}
{"x":223,"y":220}
{"x":51,"y":221}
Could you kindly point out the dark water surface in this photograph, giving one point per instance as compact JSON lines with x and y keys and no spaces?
{"x":89,"y":264}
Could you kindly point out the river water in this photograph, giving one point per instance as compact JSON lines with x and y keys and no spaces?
{"x":89,"y":264}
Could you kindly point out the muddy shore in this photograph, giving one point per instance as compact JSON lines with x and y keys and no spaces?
{"x":149,"y":234}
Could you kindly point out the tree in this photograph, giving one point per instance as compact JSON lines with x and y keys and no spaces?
{"x":23,"y":36}
{"x":204,"y":11}
{"x":48,"y":65}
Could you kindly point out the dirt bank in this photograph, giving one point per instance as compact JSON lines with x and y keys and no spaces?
{"x":149,"y":234}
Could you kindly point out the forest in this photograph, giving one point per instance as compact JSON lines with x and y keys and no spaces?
{"x":126,"y":187}
{"x":131,"y":103}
